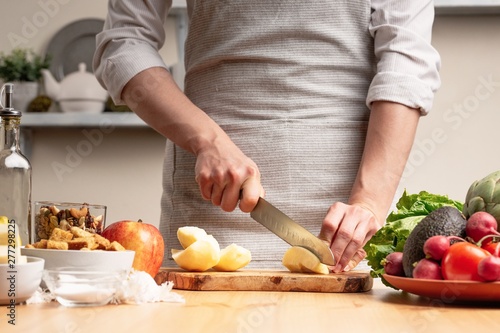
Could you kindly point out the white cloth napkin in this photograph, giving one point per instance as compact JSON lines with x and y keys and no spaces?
{"x":138,"y":288}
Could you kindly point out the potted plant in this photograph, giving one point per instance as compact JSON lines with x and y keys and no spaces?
{"x":22,"y":67}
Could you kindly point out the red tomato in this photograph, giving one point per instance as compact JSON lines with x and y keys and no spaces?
{"x":490,"y":247}
{"x":460,"y":261}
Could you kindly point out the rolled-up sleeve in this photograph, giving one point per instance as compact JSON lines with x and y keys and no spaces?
{"x":132,"y":35}
{"x":407,"y":64}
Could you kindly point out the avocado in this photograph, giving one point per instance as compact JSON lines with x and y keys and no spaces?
{"x":446,"y":221}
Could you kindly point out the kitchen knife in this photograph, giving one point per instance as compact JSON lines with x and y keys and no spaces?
{"x":290,"y":231}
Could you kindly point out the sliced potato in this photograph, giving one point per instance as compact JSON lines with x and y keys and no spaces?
{"x":300,"y":260}
{"x":200,"y":256}
{"x":232,"y":258}
{"x":188,"y":235}
{"x":211,"y":239}
{"x":201,"y":252}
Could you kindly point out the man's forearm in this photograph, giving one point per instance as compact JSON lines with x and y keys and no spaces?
{"x":155,"y":98}
{"x":390,"y":136}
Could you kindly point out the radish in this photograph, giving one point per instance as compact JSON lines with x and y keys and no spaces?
{"x":436,"y":246}
{"x":393,"y":264}
{"x":489,"y":267}
{"x":427,"y":269}
{"x":481,"y":224}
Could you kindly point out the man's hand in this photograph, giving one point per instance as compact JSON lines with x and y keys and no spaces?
{"x":347,"y":228}
{"x":225,"y":176}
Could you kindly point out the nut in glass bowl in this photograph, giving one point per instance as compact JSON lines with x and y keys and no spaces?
{"x":77,"y":287}
{"x":64,"y":215}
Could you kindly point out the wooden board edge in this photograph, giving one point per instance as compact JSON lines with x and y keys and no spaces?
{"x":349,"y":282}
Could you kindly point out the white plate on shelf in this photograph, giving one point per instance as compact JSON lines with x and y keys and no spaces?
{"x":72,"y":45}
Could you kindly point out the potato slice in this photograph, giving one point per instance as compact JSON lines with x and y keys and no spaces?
{"x":300,"y":260}
{"x":212,"y":240}
{"x":232,"y":258}
{"x":200,"y":256}
{"x":188,"y":235}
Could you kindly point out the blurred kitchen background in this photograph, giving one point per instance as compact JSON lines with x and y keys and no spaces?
{"x":116,"y":160}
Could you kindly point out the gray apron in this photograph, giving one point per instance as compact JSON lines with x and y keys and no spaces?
{"x":287,"y":81}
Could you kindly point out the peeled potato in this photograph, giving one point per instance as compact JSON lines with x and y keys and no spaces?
{"x":232,"y":258}
{"x":300,"y":260}
{"x":200,"y":256}
{"x":211,"y":239}
{"x":188,"y":235}
{"x":201,"y":252}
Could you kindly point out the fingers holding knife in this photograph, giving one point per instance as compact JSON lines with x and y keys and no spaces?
{"x":227,"y":184}
{"x":250,"y":192}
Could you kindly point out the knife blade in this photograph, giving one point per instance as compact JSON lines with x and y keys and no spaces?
{"x":290,"y":231}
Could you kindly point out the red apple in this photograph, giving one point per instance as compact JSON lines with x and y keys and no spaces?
{"x":143,"y":238}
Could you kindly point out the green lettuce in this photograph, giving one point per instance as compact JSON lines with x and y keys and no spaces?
{"x":410,"y":210}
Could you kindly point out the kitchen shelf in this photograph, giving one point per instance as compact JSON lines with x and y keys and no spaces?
{"x":178,"y":4}
{"x":467,"y":7}
{"x":104,"y":119}
{"x":33,"y":121}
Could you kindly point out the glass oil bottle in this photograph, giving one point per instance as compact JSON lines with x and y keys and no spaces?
{"x":15,"y":169}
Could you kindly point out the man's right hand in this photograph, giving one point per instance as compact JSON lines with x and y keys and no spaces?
{"x":225,"y":176}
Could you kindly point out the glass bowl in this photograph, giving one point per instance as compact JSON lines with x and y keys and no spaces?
{"x":49,"y":215}
{"x":77,"y":287}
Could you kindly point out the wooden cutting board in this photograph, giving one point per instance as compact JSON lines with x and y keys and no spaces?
{"x":267,"y":280}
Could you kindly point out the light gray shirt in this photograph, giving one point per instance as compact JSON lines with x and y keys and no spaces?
{"x":407,"y":66}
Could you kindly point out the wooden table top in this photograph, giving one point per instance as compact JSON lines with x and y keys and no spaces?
{"x":381,"y":309}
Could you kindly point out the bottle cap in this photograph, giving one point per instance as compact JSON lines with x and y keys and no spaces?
{"x":7,"y":109}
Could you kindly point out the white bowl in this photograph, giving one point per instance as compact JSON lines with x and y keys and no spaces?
{"x":20,"y":282}
{"x":96,"y":260}
{"x":82,"y":105}
{"x":81,"y":287}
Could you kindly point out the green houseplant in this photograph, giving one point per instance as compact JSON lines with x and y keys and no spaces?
{"x":22,"y":67}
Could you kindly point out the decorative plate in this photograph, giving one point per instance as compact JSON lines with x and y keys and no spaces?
{"x":73,"y":44}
